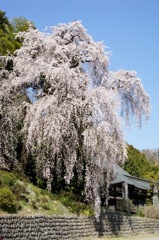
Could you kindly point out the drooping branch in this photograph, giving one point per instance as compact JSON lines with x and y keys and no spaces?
{"x":134,"y":100}
{"x":73,"y":124}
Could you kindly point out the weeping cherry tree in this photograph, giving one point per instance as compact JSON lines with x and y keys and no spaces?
{"x":72,"y":122}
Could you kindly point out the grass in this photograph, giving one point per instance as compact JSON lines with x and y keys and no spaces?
{"x":32,"y":200}
{"x":139,"y":237}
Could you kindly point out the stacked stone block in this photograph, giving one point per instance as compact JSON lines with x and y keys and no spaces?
{"x":48,"y":228}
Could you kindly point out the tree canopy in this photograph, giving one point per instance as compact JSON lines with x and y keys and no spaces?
{"x":21,"y":24}
{"x":137,"y":164}
{"x":8,"y":29}
{"x":8,"y":43}
{"x":69,"y":117}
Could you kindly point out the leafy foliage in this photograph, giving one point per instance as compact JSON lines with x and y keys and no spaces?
{"x":138,"y":165}
{"x":21,"y":24}
{"x":4,"y":22}
{"x":8,"y":201}
{"x":8,"y":30}
{"x":74,"y":204}
{"x":7,"y":178}
{"x":8,"y":43}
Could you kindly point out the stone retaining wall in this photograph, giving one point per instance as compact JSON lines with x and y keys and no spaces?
{"x":40,"y":227}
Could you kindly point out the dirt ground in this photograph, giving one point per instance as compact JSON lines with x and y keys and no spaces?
{"x":139,"y":237}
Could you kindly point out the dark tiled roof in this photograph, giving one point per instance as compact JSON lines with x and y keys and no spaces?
{"x":123,"y":176}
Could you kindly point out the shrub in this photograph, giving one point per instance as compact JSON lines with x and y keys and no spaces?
{"x":44,"y":199}
{"x":34,"y":204}
{"x":71,"y":201}
{"x":140,"y":212}
{"x":7,"y":178}
{"x":1,"y":182}
{"x":45,"y":206}
{"x":151,"y":211}
{"x":125,"y":206}
{"x":8,"y":200}
{"x":19,"y":188}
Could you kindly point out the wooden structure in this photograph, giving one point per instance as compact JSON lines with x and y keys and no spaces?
{"x":126,"y":186}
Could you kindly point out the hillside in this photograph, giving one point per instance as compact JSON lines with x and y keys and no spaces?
{"x":18,"y":195}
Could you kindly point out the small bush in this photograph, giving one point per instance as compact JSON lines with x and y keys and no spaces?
{"x":140,"y":212}
{"x":34,"y":204}
{"x":7,"y":178}
{"x":151,"y":211}
{"x":19,"y":188}
{"x":1,"y":182}
{"x":70,"y":201}
{"x":125,"y":206}
{"x":44,"y":199}
{"x":45,"y":206}
{"x":8,"y":200}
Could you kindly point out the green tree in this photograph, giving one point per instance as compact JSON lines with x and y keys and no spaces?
{"x":8,"y":43}
{"x":4,"y":22}
{"x":8,"y":200}
{"x":21,"y":24}
{"x":138,"y":165}
{"x":8,"y":30}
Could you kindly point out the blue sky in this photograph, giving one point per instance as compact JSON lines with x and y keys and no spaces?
{"x":130,"y":28}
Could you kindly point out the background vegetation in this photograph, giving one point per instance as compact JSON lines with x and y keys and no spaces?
{"x":8,"y":29}
{"x":137,"y":164}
